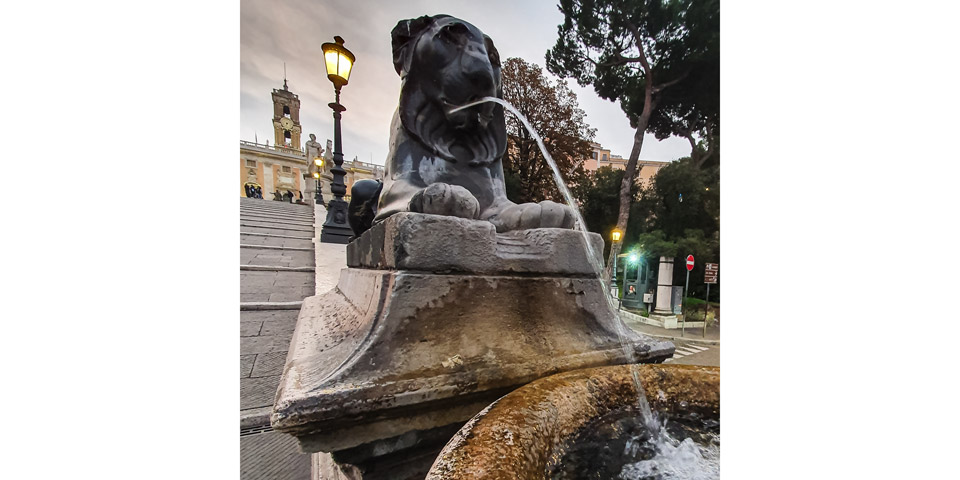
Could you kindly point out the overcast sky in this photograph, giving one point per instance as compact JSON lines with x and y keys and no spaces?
{"x":291,"y":31}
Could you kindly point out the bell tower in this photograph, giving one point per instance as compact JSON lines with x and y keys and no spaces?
{"x":286,"y":118}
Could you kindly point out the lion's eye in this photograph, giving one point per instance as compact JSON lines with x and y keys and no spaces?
{"x":492,"y":52}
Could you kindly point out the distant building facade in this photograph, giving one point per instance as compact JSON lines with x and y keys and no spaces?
{"x":284,"y":166}
{"x":602,"y":157}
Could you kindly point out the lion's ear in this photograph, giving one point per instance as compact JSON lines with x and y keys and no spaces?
{"x":402,"y":38}
{"x":492,"y":52}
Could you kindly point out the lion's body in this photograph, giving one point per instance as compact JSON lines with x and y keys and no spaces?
{"x":444,"y":162}
{"x":411,"y":168}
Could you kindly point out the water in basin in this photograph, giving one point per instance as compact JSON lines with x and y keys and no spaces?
{"x":619,"y":445}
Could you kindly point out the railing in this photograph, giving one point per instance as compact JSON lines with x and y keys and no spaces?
{"x":369,"y":166}
{"x":302,"y":153}
{"x":275,"y":148}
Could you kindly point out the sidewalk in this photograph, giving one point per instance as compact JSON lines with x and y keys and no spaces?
{"x":330,"y":257}
{"x":691,"y":334}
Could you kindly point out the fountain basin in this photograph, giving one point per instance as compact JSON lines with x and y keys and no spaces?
{"x":519,"y":435}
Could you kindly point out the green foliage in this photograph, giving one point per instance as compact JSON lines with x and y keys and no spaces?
{"x":660,"y":224}
{"x":655,"y":245}
{"x":552,"y":110}
{"x":598,"y":45}
{"x":688,"y":227}
{"x":513,"y":186}
{"x":694,"y":302}
{"x":599,"y":196}
{"x":660,"y":60}
{"x":693,"y":105}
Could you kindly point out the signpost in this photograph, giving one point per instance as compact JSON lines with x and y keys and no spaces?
{"x":683,"y":321}
{"x":711,"y":270}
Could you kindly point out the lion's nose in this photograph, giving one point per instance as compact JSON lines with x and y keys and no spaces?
{"x":476,"y":68}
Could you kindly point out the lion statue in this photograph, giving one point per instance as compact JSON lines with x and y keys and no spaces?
{"x":446,"y":163}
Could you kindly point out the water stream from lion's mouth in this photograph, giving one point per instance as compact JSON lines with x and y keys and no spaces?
{"x":596,"y":258}
{"x":663,"y":442}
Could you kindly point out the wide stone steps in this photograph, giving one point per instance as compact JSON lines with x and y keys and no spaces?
{"x":278,"y":207}
{"x":273,"y":205}
{"x":279,"y":213}
{"x":279,"y":221}
{"x":261,"y":228}
{"x":275,"y":241}
{"x":277,"y":256}
{"x":264,"y":338}
{"x":273,"y":213}
{"x":276,"y":248}
{"x":272,"y":455}
{"x":276,"y":213}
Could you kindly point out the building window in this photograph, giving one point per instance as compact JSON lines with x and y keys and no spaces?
{"x":252,"y":163}
{"x":593,"y":155}
{"x":604,"y":159}
{"x":286,"y":169}
{"x":286,"y":110}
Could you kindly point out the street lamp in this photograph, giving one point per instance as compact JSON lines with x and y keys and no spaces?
{"x":339,"y":63}
{"x":615,"y":236}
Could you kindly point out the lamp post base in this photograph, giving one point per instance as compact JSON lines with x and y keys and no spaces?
{"x":336,"y":229}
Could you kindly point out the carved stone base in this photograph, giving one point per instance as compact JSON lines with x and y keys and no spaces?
{"x":435,"y":243}
{"x":393,"y":351}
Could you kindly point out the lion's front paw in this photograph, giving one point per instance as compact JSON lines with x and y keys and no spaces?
{"x":545,"y":214}
{"x":445,"y":199}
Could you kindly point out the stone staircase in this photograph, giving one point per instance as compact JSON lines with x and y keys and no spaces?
{"x":277,"y":263}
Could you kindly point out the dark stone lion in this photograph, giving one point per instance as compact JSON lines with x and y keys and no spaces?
{"x":450,"y":163}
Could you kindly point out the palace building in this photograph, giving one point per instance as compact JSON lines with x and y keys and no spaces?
{"x":284,"y":166}
{"x":601,"y":157}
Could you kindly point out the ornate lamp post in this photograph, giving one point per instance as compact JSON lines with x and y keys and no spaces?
{"x":615,"y":236}
{"x":339,"y":62}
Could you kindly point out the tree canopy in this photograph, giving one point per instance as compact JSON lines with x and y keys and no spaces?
{"x":552,"y":110}
{"x":598,"y":194}
{"x":658,"y":58}
{"x":619,"y":46}
{"x":660,"y":223}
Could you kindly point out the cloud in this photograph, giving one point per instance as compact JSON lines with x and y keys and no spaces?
{"x":292,"y":31}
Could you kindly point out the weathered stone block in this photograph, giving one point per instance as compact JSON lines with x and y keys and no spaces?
{"x":435,"y":243}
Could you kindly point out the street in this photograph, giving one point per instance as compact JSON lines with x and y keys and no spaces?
{"x":704,"y":354}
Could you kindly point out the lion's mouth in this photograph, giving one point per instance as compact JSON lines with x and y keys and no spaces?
{"x":449,"y":105}
{"x":468,"y":117}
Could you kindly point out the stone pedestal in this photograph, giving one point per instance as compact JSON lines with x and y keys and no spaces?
{"x":310,"y":192}
{"x":664,"y":289}
{"x":435,"y":318}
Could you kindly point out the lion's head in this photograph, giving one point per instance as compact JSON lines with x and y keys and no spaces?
{"x":444,"y":63}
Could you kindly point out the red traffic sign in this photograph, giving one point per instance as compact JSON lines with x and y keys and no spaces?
{"x":689,"y":262}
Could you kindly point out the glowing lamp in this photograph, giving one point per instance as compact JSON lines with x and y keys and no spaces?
{"x":339,"y":62}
